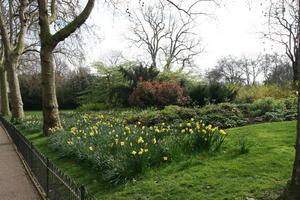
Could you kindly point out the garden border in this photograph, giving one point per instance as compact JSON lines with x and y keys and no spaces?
{"x":49,"y":180}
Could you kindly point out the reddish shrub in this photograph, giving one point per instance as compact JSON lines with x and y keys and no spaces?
{"x":156,"y":93}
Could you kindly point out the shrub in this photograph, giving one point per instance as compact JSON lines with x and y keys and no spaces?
{"x":223,"y":115}
{"x":262,"y":106}
{"x":168,"y":114}
{"x":214,"y":93}
{"x":250,"y":94}
{"x":159,"y":94}
{"x":269,"y":110}
{"x":92,"y":107}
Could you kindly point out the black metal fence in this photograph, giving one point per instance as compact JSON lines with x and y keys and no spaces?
{"x":52,"y":181}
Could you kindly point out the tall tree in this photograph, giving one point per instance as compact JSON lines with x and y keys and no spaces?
{"x":48,"y":43}
{"x":3,"y":86}
{"x":167,"y":35}
{"x":148,"y":29}
{"x":287,"y":14}
{"x":15,"y":20}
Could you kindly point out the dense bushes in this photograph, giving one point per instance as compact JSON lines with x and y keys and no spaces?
{"x":156,"y":93}
{"x":168,"y":114}
{"x":270,"y":109}
{"x":224,"y":115}
{"x":68,"y":88}
{"x":212,"y":94}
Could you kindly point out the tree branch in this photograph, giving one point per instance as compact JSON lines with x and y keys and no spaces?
{"x":72,"y":26}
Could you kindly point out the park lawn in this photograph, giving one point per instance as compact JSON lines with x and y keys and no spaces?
{"x":260,"y":174}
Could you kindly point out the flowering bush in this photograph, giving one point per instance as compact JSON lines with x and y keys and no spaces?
{"x":156,"y":93}
{"x":121,"y":151}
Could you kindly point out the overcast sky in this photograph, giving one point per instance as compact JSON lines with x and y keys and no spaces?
{"x":235,"y":29}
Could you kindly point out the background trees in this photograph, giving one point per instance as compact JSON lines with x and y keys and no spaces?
{"x":268,"y":69}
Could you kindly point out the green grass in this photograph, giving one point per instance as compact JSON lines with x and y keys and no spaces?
{"x":259,"y":174}
{"x":40,"y":113}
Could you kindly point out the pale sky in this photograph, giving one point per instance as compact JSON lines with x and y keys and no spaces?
{"x":236,"y":29}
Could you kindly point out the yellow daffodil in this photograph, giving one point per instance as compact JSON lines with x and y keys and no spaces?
{"x":133,"y":152}
{"x":154,"y":141}
{"x":140,"y":140}
{"x":165,"y":158}
{"x":91,"y":148}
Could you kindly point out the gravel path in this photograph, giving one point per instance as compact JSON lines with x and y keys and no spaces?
{"x":14,"y":183}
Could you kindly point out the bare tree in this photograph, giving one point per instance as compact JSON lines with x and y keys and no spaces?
{"x":182,"y":43}
{"x":283,"y":29}
{"x":148,"y":28}
{"x":227,"y":70}
{"x":167,"y":36}
{"x":113,"y":58}
{"x":251,"y":68}
{"x":48,"y":43}
{"x":189,"y":7}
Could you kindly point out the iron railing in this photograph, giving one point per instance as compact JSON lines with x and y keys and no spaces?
{"x":52,"y":182}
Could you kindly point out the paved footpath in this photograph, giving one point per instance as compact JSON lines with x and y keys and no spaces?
{"x":14,"y":182}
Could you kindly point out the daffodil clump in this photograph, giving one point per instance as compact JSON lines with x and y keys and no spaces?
{"x":32,"y":123}
{"x":121,"y":151}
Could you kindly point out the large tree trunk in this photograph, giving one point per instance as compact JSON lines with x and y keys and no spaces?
{"x":4,"y":94}
{"x":292,"y":191}
{"x":48,"y":43}
{"x":295,"y":182}
{"x":50,"y":105}
{"x":14,"y":87}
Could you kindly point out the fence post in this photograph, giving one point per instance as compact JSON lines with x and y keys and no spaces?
{"x":47,"y":177}
{"x":31,"y":156}
{"x":82,"y":193}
